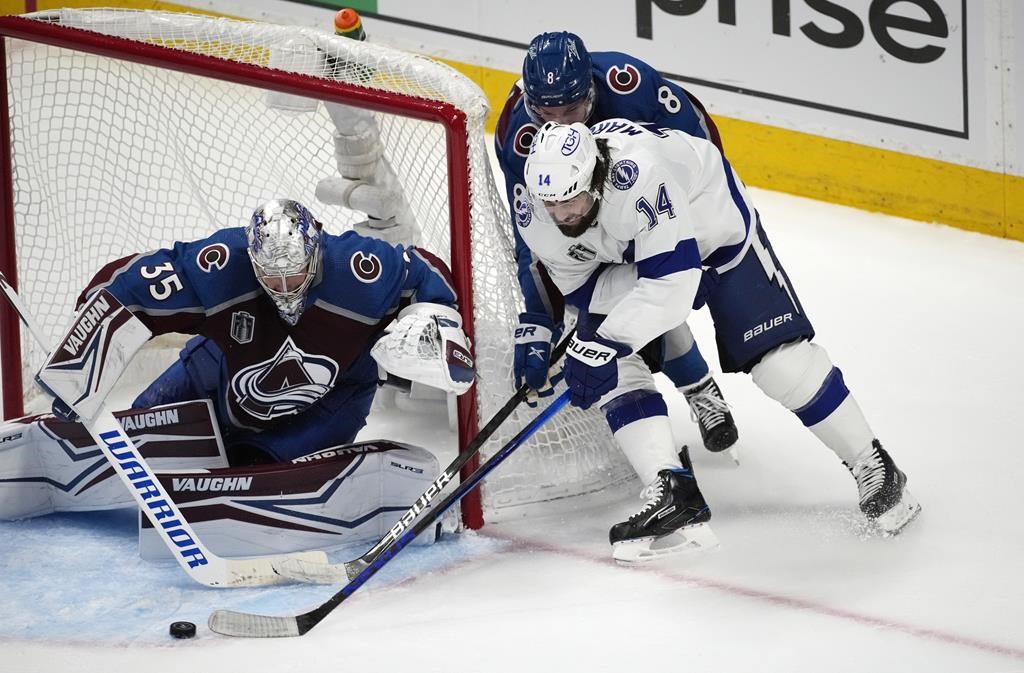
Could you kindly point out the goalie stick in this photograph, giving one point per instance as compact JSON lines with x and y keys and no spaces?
{"x":243,"y":624}
{"x":117,"y":447}
{"x":313,"y":572}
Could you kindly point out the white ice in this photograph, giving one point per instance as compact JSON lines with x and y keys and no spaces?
{"x":925,"y":322}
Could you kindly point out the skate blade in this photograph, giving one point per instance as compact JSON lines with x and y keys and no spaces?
{"x":646,"y":549}
{"x":899,"y":515}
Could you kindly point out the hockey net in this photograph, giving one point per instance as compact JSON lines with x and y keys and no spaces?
{"x":130,"y":130}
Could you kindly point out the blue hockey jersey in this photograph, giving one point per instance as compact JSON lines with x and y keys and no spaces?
{"x":274,"y":369}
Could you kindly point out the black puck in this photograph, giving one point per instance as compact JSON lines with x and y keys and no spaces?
{"x":183,"y":629}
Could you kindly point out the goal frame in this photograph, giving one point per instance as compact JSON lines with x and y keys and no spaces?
{"x":449,"y":116}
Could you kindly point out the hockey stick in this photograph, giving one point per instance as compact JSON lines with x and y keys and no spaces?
{"x":152,"y":498}
{"x":242,"y":624}
{"x":333,"y":573}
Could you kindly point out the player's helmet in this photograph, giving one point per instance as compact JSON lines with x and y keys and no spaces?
{"x":557,"y":72}
{"x":560,"y":174}
{"x":561,"y":162}
{"x":284,"y":246}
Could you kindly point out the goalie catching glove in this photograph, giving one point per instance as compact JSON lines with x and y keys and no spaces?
{"x":426,"y":344}
{"x":91,"y":356}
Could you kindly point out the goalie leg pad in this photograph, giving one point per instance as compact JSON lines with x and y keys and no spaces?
{"x":338,"y":496}
{"x":51,"y":465}
{"x":357,"y":154}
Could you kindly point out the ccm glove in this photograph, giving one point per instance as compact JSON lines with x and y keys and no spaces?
{"x":592,"y":369}
{"x":533,"y":351}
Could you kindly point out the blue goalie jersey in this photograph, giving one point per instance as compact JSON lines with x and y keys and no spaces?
{"x":273,"y":369}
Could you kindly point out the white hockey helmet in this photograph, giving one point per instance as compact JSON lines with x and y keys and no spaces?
{"x":561,"y":162}
{"x":284,"y":247}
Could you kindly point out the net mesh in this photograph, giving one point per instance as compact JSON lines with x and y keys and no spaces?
{"x":112,"y":157}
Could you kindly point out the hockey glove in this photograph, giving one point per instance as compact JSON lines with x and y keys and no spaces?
{"x":592,"y":369}
{"x":533,"y":352}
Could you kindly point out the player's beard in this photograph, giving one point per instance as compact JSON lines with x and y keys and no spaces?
{"x":586,"y":222}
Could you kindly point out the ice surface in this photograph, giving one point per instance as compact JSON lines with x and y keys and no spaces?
{"x":925,"y":322}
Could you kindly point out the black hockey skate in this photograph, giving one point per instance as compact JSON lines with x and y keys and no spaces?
{"x":674,"y":519}
{"x":884,"y":498}
{"x":711,"y":413}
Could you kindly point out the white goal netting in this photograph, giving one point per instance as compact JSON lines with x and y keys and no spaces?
{"x":118,"y":155}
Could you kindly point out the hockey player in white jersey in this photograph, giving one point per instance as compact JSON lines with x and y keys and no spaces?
{"x":638,"y":224}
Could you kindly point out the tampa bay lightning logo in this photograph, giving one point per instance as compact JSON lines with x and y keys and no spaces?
{"x":572,"y":141}
{"x":286,"y":384}
{"x":522,"y":207}
{"x":624,"y":174}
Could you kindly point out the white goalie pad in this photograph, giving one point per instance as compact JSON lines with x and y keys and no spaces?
{"x":51,"y":465}
{"x":342,"y":495}
{"x":426,"y":344}
{"x":93,"y":353}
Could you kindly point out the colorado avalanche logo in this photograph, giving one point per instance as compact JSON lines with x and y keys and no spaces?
{"x":623,"y":80}
{"x":286,"y":384}
{"x":624,"y":174}
{"x":366,"y":267}
{"x":572,"y":141}
{"x":213,"y":256}
{"x":523,"y":209}
{"x":524,"y":139}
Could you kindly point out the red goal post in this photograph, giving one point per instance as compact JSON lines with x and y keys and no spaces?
{"x":126,"y":130}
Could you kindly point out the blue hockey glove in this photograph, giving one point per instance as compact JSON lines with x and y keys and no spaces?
{"x":592,"y":369}
{"x":533,"y":352}
{"x":708,"y":282}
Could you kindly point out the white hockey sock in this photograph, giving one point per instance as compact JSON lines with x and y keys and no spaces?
{"x":845,"y":431}
{"x":649,"y":446}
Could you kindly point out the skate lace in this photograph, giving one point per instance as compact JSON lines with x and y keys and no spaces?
{"x":653,"y":493}
{"x":707,"y":407}
{"x":870,"y":476}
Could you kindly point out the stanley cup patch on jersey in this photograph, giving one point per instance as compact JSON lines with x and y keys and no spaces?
{"x":581,"y":253}
{"x":242,"y":324}
{"x":286,"y":384}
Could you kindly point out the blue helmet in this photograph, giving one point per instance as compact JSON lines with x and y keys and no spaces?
{"x":556,"y":72}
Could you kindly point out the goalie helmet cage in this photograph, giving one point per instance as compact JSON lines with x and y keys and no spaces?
{"x":125,"y":130}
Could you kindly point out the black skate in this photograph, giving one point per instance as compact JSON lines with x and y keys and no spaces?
{"x":711,"y":413}
{"x":673,"y":520}
{"x":884,"y":498}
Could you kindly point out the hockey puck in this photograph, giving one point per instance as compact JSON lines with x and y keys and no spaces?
{"x":183,"y":629}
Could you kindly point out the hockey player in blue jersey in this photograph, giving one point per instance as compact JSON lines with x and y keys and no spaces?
{"x":626,"y":218}
{"x":285,"y":316}
{"x":563,"y":82}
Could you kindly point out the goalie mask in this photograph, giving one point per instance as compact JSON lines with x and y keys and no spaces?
{"x":284,"y":247}
{"x":559,"y":174}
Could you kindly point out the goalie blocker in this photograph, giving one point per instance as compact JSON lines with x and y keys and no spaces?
{"x":341,"y":495}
